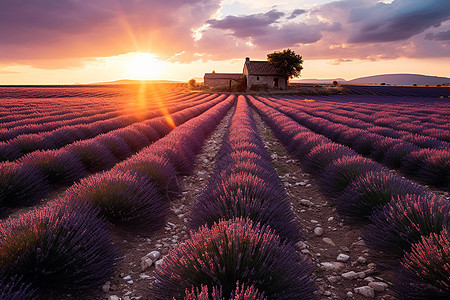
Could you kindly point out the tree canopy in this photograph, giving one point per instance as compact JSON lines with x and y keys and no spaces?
{"x":286,"y":62}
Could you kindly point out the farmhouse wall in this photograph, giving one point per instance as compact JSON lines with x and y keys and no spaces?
{"x":220,"y":83}
{"x":263,"y":79}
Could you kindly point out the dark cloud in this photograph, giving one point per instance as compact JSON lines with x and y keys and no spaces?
{"x":247,"y":26}
{"x":296,"y":13}
{"x":440,"y":36}
{"x":266,"y":31}
{"x":396,"y":21}
{"x":288,"y":35}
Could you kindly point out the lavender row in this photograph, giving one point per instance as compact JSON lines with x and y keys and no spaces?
{"x":243,"y":230}
{"x":62,"y":136}
{"x":403,"y":220}
{"x":67,"y":244}
{"x":430,"y":166}
{"x":429,"y":112}
{"x":31,"y":104}
{"x":407,"y":123}
{"x":10,"y":130}
{"x":244,"y":177}
{"x":36,"y":174}
{"x":326,"y":112}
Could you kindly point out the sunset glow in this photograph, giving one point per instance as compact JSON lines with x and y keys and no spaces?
{"x":179,"y":40}
{"x":143,"y":66}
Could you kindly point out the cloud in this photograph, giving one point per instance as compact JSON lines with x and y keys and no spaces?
{"x":66,"y":33}
{"x":339,"y":61}
{"x":44,"y":32}
{"x":396,"y":21}
{"x":296,"y":13}
{"x":249,"y":25}
{"x":265,"y":31}
{"x":440,"y":36}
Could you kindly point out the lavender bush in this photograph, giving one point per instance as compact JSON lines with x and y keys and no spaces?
{"x":116,"y":145}
{"x":59,"y":166}
{"x":94,"y":156}
{"x":338,"y":175}
{"x":425,"y":269}
{"x":235,"y":251}
{"x":373,"y":190}
{"x":321,"y":156}
{"x":240,"y":293}
{"x":404,"y":221}
{"x":57,"y":248}
{"x":254,"y":203}
{"x":123,"y":198}
{"x":157,"y":169}
{"x":20,"y":184}
{"x":15,"y":289}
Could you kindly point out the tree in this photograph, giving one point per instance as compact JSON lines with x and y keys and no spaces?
{"x":286,"y":62}
{"x":192,"y":83}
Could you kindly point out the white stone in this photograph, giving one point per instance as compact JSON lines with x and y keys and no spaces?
{"x":333,"y":266}
{"x":329,"y":241}
{"x":146,"y":263}
{"x":333,"y":279}
{"x":361,"y":274}
{"x":158,"y":263}
{"x":349,"y":275}
{"x":318,"y":231}
{"x":301,"y":245}
{"x":154,"y":255}
{"x":343,"y":257}
{"x":349,"y":294}
{"x":362,"y":260}
{"x":359,"y":243}
{"x":366,"y":291}
{"x":305,"y":202}
{"x":378,"y":286}
{"x":113,"y":297}
{"x":128,"y":277}
{"x":330,"y":219}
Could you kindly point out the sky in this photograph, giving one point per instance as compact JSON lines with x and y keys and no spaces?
{"x":85,"y":41}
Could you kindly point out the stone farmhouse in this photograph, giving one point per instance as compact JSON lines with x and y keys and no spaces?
{"x":256,"y":73}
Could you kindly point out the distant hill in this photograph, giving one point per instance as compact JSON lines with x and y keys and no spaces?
{"x":392,"y":79}
{"x":401,"y":79}
{"x":131,"y":81}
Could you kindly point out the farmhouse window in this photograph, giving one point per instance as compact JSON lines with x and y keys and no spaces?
{"x":257,"y":77}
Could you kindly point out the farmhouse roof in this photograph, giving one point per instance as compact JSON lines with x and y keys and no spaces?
{"x":233,"y":76}
{"x":255,"y":67}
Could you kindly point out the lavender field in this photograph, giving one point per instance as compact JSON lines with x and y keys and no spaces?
{"x":85,"y":168}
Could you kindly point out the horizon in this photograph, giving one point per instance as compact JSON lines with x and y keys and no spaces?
{"x":76,"y":43}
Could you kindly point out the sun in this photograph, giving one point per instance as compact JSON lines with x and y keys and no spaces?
{"x":143,"y":66}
